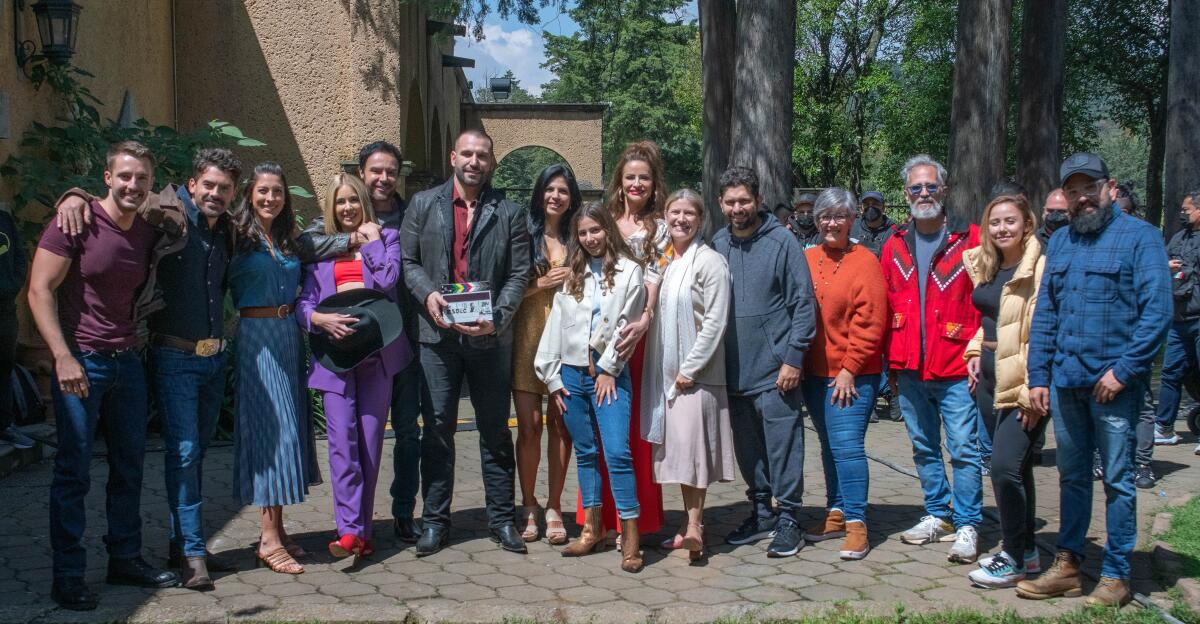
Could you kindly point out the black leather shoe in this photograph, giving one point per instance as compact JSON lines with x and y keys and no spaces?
{"x":216,"y":563}
{"x":433,"y":540}
{"x":509,"y":539}
{"x":138,"y":573}
{"x":406,"y":530}
{"x":73,"y":594}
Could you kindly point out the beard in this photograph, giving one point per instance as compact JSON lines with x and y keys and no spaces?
{"x":920,"y":211}
{"x":1091,"y":222}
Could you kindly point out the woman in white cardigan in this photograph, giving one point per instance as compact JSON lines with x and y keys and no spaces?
{"x":577,"y":360}
{"x":685,"y":411}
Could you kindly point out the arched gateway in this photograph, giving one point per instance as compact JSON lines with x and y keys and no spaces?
{"x":572,"y":130}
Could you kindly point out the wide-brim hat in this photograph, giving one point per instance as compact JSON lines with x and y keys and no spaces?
{"x":379,"y":324}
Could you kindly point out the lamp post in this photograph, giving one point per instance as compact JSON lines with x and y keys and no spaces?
{"x":58,"y":27}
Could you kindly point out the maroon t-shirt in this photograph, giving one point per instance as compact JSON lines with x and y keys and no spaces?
{"x":108,"y":268}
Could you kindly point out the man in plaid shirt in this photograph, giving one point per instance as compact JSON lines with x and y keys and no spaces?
{"x":1103,"y":310}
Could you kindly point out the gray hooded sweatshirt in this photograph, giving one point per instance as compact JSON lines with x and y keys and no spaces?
{"x":772,"y":308}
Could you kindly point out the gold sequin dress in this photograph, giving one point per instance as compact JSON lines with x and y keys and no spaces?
{"x":527,"y":332}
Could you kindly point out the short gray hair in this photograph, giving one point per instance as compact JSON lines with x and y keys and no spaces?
{"x":836,"y":201}
{"x":923,"y":160}
{"x":1194,"y":194}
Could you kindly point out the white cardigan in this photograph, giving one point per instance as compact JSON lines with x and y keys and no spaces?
{"x":566,"y":339}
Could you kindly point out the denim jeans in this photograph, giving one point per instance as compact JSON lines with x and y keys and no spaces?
{"x":116,"y":390}
{"x":583,"y":418}
{"x":1181,"y":359}
{"x":841,"y":431}
{"x":189,"y":391}
{"x":1081,"y":425}
{"x":927,"y":406}
{"x":410,"y":398}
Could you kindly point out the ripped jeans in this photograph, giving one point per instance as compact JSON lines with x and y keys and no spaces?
{"x":1081,"y":425}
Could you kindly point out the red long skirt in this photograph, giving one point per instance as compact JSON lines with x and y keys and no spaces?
{"x":649,"y":493}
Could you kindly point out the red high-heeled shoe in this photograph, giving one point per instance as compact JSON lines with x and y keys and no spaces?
{"x":346,"y":545}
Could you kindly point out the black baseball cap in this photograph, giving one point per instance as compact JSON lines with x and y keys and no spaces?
{"x":1086,"y":163}
{"x":875,"y":195}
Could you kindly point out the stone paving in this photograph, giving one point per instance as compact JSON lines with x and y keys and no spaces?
{"x":474,"y":581}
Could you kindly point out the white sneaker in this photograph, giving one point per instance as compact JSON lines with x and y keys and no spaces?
{"x":966,"y":546}
{"x":1197,"y":451}
{"x":1165,"y":436}
{"x":1033,"y":562}
{"x":929,"y":529}
{"x":999,"y":572}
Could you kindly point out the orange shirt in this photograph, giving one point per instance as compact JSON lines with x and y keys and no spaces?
{"x":852,"y":311}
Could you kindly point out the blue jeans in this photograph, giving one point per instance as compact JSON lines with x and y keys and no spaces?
{"x":116,"y":390}
{"x":189,"y":390}
{"x":583,"y":418}
{"x":410,"y":398}
{"x":927,"y":406}
{"x":1181,"y":359}
{"x":841,"y":431}
{"x":1081,"y":425}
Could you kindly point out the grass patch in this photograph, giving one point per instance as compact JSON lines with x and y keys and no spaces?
{"x":1090,"y":615}
{"x":1184,"y":536}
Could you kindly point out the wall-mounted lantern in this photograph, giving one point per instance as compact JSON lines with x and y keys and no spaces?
{"x":58,"y":26}
{"x":501,"y":88}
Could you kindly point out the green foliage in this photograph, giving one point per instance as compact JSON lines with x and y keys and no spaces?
{"x":519,"y":170}
{"x":1184,"y":536}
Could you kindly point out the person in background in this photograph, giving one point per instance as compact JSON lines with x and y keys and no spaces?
{"x":13,"y":266}
{"x":1183,"y":340}
{"x":872,"y":229}
{"x":801,"y":221}
{"x":1054,"y":216}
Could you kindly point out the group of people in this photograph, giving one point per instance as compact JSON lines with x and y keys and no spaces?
{"x":657,"y":356}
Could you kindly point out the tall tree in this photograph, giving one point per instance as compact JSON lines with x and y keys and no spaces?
{"x":979,"y":107}
{"x":1041,"y":96}
{"x":1183,"y":109}
{"x":718,"y":35}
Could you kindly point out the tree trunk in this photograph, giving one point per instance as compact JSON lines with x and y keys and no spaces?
{"x":1157,"y":120}
{"x":1182,"y":173}
{"x":762,"y":106}
{"x":977,"y":113}
{"x":1040,"y":122}
{"x":718,"y":32}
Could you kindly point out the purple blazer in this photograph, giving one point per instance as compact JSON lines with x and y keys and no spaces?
{"x":381,"y":269}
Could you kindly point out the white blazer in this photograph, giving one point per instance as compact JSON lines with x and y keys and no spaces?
{"x":566,"y":339}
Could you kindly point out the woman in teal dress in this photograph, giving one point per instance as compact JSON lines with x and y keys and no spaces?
{"x":274,"y":458}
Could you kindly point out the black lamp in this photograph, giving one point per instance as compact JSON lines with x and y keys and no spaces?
{"x":501,"y":88}
{"x":58,"y":26}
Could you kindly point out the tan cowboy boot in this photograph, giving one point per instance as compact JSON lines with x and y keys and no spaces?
{"x":591,"y":539}
{"x":631,"y":553}
{"x":1110,"y":592}
{"x":1062,"y":579}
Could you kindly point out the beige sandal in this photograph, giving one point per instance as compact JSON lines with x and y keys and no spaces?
{"x":531,"y":513}
{"x":279,"y":560}
{"x":556,"y":531}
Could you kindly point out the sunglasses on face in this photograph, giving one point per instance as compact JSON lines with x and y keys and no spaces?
{"x":928,"y":188}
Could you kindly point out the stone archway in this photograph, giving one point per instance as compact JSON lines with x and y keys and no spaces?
{"x":572,"y":130}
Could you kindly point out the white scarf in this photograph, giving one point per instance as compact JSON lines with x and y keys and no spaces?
{"x":671,"y":339}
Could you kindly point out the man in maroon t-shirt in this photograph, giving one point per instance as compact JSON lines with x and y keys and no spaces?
{"x":82,"y":291}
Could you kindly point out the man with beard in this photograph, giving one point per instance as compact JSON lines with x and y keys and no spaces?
{"x":87,"y":293}
{"x":1102,"y":311}
{"x":872,"y":229}
{"x":379,"y":167}
{"x":929,"y":294}
{"x":801,"y":221}
{"x":466,"y":231}
{"x":1054,"y":216}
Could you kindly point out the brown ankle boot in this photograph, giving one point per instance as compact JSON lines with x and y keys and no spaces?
{"x":591,"y":539}
{"x":1110,"y":592}
{"x":631,"y":551}
{"x":1062,"y":579}
{"x":195,"y":574}
{"x":833,"y":526}
{"x":856,"y":545}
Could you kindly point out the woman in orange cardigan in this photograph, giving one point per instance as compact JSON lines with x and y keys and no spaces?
{"x":843,"y":367}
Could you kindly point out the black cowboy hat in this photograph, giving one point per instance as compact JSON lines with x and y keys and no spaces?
{"x":379,"y":323}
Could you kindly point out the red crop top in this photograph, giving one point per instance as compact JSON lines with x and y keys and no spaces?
{"x":345,"y":271}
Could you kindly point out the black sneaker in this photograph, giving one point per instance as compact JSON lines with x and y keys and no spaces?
{"x":788,"y":540}
{"x":752,"y":529}
{"x":1144,"y":478}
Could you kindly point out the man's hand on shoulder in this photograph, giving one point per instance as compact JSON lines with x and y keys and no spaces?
{"x":73,"y":214}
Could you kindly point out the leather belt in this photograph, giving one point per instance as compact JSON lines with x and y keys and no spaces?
{"x":207,"y":347}
{"x":280,"y":312}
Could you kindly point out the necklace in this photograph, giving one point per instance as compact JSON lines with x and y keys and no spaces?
{"x":838,"y":265}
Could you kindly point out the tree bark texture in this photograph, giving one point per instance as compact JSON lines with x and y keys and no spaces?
{"x":1157,"y":122}
{"x":718,"y":36}
{"x":1041,"y":104}
{"x":1182,"y":173}
{"x":762,"y":106}
{"x":977,"y":113}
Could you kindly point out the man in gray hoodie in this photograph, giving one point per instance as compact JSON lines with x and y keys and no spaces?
{"x":772,"y":314}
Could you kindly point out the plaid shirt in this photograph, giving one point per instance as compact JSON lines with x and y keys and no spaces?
{"x":1105,"y":303}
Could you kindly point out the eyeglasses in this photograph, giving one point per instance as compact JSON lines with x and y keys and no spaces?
{"x":834,"y":218}
{"x":928,"y":188}
{"x":1094,"y":192}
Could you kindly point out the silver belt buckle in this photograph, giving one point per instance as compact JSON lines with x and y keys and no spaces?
{"x":208,"y":347}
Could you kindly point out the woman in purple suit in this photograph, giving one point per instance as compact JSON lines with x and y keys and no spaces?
{"x":357,"y":399}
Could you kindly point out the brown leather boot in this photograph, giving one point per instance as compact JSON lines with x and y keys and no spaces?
{"x":194,"y":574}
{"x":1062,"y":579}
{"x":833,"y":526}
{"x":1110,"y":592}
{"x":631,"y":551}
{"x":591,"y":539}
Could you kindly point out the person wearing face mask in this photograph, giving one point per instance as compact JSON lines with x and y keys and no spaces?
{"x":872,"y":229}
{"x":802,"y":223}
{"x":1183,"y":340}
{"x":1054,"y":216}
{"x":1101,"y":315}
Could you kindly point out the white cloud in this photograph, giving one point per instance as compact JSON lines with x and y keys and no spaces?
{"x":519,"y":49}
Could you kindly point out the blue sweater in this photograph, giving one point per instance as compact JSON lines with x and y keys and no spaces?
{"x":1105,"y":303}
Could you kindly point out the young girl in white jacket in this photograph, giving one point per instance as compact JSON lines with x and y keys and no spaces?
{"x":577,"y":360}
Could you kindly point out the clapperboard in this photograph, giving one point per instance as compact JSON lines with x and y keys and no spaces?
{"x":468,"y":302}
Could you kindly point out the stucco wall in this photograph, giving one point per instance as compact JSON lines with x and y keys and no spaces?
{"x":572,"y":131}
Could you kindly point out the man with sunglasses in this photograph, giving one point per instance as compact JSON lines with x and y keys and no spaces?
{"x":1103,"y":310}
{"x":932,"y":319}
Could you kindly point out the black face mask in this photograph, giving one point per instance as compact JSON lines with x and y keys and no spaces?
{"x":872,"y":213}
{"x":1185,"y":219}
{"x":1056,"y":219}
{"x":805,"y":221}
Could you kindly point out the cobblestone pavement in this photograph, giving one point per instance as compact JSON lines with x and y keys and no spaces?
{"x":473,"y":581}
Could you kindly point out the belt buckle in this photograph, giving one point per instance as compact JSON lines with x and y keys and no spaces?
{"x":208,"y":347}
{"x":283,"y":311}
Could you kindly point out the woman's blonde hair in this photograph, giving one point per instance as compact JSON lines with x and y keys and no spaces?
{"x":989,"y":253}
{"x":329,"y":201}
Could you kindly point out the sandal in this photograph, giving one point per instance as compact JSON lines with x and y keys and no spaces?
{"x":295,"y":550}
{"x":530,"y":512}
{"x":556,"y":531}
{"x":694,"y":541}
{"x":280,"y":561}
{"x":675,"y":542}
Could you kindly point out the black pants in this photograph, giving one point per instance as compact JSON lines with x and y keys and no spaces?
{"x":8,"y":354}
{"x":1012,"y":463}
{"x":488,"y":371}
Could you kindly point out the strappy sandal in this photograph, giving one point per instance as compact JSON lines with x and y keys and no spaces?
{"x":530,"y":512}
{"x":280,"y":561}
{"x":556,"y":531}
{"x":295,"y":550}
{"x":694,"y":542}
{"x":675,"y":542}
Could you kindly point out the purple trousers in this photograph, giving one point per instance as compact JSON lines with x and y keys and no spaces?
{"x":354,"y":424}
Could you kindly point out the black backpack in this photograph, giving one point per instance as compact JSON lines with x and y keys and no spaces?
{"x":28,"y":407}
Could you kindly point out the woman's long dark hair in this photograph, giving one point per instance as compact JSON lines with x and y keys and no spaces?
{"x":283,"y":228}
{"x":537,"y":215}
{"x":614,"y":248}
